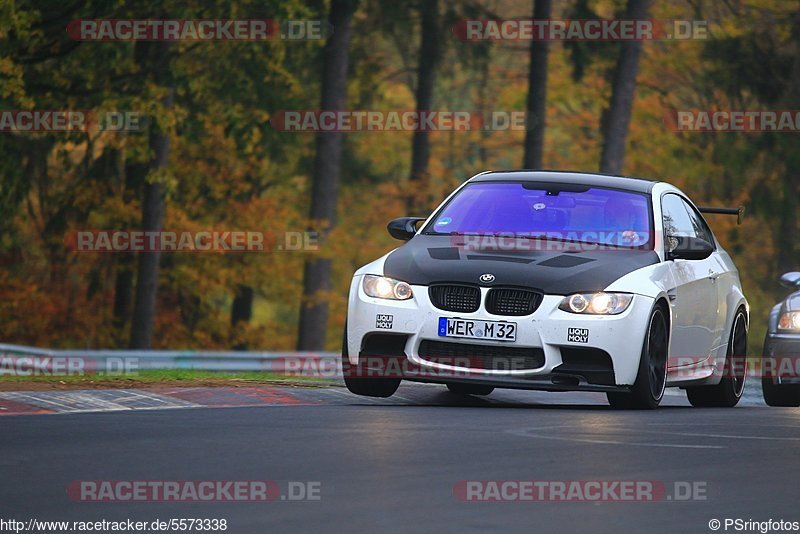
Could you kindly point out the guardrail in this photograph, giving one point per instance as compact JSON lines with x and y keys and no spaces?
{"x":21,"y":360}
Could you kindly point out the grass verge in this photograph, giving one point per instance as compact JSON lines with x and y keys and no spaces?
{"x":156,"y":378}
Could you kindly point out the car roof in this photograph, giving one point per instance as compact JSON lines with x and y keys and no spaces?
{"x":638,"y":185}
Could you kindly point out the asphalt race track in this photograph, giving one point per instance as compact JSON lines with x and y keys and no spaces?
{"x":400,"y":464}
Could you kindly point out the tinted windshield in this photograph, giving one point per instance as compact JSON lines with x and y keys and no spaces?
{"x":552,"y":211}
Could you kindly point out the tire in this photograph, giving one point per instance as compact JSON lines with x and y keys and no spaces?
{"x":367,"y":387}
{"x":727,"y":393}
{"x":469,"y":389}
{"x":651,"y":379}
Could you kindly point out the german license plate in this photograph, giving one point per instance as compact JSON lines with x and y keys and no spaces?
{"x":493,"y":330}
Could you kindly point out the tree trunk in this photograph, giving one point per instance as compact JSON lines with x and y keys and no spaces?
{"x":241,"y":310}
{"x":153,"y":208}
{"x":788,"y":253}
{"x":618,"y":116}
{"x":537,"y":93}
{"x":124,"y":267}
{"x":317,"y":271}
{"x":149,"y":265}
{"x":426,"y":77}
{"x":154,"y":59}
{"x":123,"y":291}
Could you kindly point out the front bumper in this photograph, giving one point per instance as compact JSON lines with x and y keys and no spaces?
{"x":607,"y":361}
{"x":781,"y":358}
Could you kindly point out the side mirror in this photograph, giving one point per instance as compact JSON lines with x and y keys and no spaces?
{"x":403,"y":228}
{"x":790,"y":280}
{"x":689,"y":248}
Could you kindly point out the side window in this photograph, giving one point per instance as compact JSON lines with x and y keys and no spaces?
{"x":698,"y":223}
{"x":677,"y":222}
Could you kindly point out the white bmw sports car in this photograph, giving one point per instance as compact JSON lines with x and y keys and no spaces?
{"x":553,"y":281}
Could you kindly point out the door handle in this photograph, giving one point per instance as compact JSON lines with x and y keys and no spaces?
{"x":713,"y":275}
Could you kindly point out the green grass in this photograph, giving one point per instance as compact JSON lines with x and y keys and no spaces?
{"x":156,"y":376}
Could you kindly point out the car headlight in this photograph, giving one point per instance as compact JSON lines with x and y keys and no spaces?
{"x":789,"y":321}
{"x":596,"y":303}
{"x":386,"y":288}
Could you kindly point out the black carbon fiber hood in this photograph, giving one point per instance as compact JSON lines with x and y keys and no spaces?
{"x":428,"y":259}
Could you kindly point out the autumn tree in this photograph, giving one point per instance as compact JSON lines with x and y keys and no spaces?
{"x":536,"y":103}
{"x":617,"y":117}
{"x":327,"y":168}
{"x":155,"y":61}
{"x":427,"y":65}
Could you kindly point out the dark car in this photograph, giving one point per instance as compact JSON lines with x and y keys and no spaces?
{"x":781,"y":356}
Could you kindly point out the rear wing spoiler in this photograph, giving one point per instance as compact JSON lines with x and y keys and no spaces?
{"x":739,"y":212}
